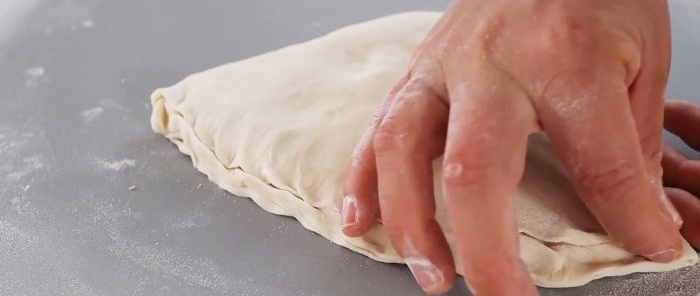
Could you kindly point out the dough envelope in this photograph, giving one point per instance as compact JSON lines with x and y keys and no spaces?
{"x":280,"y":128}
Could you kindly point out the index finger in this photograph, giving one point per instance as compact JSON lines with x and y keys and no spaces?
{"x":360,"y":202}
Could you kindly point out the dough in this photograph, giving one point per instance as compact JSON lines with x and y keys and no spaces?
{"x":280,"y":128}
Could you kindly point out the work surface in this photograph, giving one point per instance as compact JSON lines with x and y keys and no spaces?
{"x":93,"y":202}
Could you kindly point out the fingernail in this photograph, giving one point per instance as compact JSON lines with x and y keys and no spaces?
{"x":671,"y":210}
{"x":350,"y":216}
{"x":665,"y":255}
{"x":427,"y":275}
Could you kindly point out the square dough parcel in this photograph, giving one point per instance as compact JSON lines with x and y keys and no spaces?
{"x":280,"y":129}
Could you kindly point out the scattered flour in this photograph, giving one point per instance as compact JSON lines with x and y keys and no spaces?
{"x":198,"y":220}
{"x":35,"y":72}
{"x":19,"y":246}
{"x":167,"y":261}
{"x":23,"y":162}
{"x":26,"y":167}
{"x":91,"y":114}
{"x":15,"y":142}
{"x":133,"y":255}
{"x":676,"y":283}
{"x":113,"y":104}
{"x":116,"y":165}
{"x":87,"y":23}
{"x":33,"y":76}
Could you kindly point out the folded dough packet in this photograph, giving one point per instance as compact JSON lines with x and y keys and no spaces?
{"x":280,"y":129}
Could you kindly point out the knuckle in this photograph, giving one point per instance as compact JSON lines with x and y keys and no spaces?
{"x":569,"y":29}
{"x":608,"y":181}
{"x":378,"y":116}
{"x":568,"y":39}
{"x":390,"y":136}
{"x":464,"y":169}
{"x":485,"y":32}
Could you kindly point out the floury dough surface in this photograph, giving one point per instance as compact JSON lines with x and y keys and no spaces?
{"x":280,"y":128}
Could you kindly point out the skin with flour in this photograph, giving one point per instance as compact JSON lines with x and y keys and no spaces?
{"x":590,"y":74}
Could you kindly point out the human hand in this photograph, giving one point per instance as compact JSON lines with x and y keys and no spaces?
{"x":681,"y":175}
{"x":591,"y":74}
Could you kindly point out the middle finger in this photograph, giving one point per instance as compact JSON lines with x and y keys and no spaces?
{"x":484,"y":161}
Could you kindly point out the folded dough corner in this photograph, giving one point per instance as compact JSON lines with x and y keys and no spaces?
{"x":280,"y":128}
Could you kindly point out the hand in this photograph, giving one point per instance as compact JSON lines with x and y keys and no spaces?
{"x":681,"y":175}
{"x":589,"y":73}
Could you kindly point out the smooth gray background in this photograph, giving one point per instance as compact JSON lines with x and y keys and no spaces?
{"x":75,"y":77}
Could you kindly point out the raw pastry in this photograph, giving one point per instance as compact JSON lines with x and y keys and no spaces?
{"x":280,"y":128}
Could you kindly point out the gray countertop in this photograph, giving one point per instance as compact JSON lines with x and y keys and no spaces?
{"x":75,"y":77}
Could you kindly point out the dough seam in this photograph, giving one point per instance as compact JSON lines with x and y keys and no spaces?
{"x":188,"y":138}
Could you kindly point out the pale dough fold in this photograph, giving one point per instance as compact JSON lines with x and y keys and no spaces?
{"x":280,"y":128}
